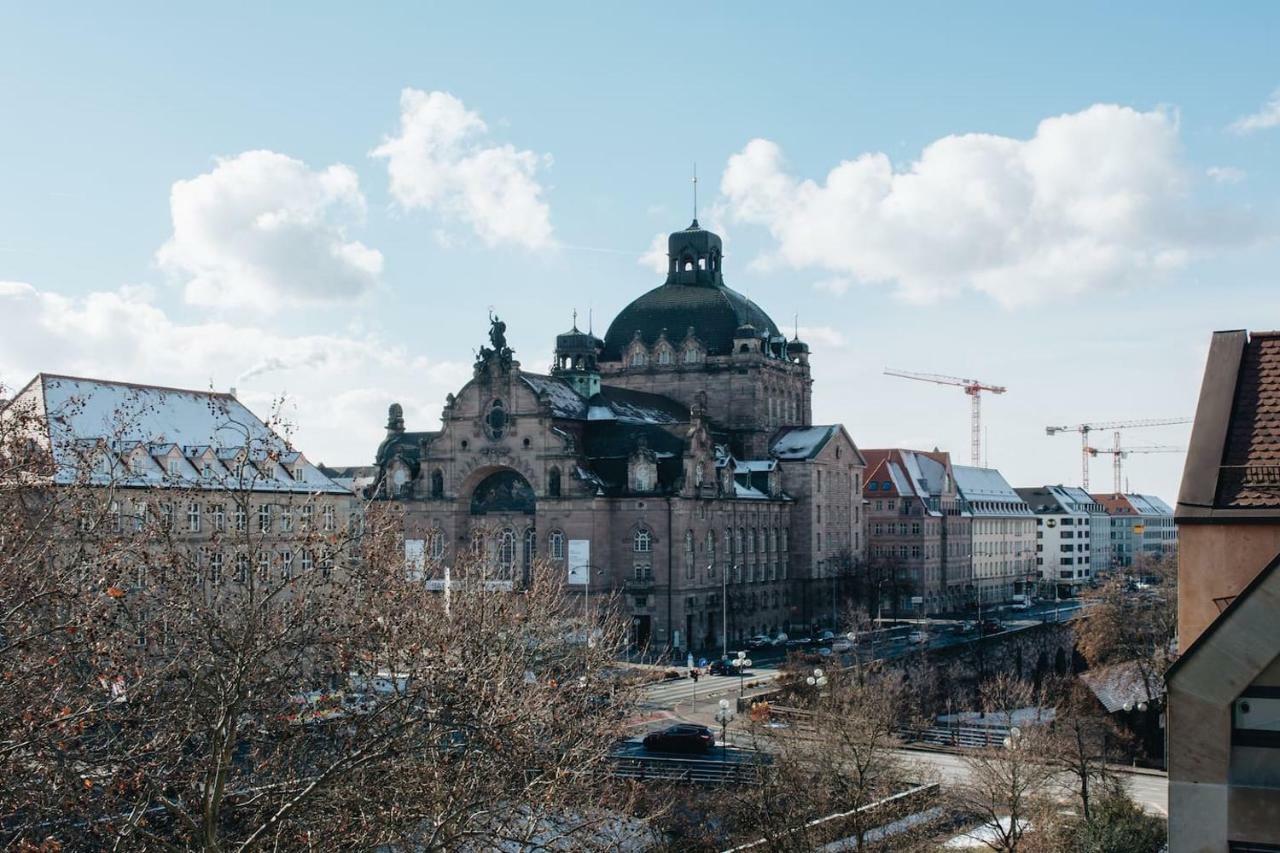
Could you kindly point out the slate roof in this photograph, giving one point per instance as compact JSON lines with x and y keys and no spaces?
{"x":801,"y":442}
{"x":612,"y":403}
{"x":1251,"y":459}
{"x":988,"y":492}
{"x":1123,"y":682}
{"x":713,"y":310}
{"x":127,"y":428}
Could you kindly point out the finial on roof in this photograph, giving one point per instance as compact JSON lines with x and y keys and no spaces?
{"x":575,"y":319}
{"x":695,"y":192}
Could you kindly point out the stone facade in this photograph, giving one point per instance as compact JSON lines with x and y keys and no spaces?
{"x":680,"y":471}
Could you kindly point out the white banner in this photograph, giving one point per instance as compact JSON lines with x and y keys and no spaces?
{"x":415,"y":558}
{"x":579,"y":561}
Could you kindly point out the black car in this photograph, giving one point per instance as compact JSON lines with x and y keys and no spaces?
{"x":991,"y":626}
{"x":681,"y":738}
{"x":721,"y":667}
{"x":825,"y":638}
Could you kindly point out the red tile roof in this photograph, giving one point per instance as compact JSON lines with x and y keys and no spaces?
{"x":1250,"y":474}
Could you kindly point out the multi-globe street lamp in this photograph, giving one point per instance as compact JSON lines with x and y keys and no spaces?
{"x":724,"y":716}
{"x":742,"y":662}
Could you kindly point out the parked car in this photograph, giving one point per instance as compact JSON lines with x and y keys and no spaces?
{"x":1020,"y":605}
{"x":721,"y":667}
{"x":759,"y":641}
{"x":991,"y":626}
{"x":799,"y":642}
{"x":825,"y":638}
{"x":780,"y":640}
{"x":841,"y":646}
{"x":680,"y":738}
{"x":918,"y":637}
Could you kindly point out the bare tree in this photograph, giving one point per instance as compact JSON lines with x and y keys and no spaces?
{"x":1008,"y":787}
{"x":169,"y":692}
{"x":1080,"y":740}
{"x":1134,"y":620}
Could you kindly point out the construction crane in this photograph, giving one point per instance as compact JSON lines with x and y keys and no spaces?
{"x":1118,"y":454}
{"x":1085,"y":429}
{"x":974,"y":389}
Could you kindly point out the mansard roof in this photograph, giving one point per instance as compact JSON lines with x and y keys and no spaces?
{"x":611,"y":404}
{"x":87,"y":420}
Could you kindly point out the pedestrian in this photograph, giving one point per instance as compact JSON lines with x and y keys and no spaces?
{"x":694,"y":673}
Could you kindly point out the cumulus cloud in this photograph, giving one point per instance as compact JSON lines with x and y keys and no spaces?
{"x":338,"y":385}
{"x":823,"y":336}
{"x":655,"y":257}
{"x":1267,"y":116}
{"x":444,"y":161}
{"x":1092,"y":199}
{"x":1225,"y":174}
{"x":263,"y":229}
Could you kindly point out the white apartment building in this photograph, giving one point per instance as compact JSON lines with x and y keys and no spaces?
{"x":1003,"y":535}
{"x":1064,"y":538}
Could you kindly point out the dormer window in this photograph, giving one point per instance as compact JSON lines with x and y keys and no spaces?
{"x":691,"y":355}
{"x":664,"y":356}
{"x":299,"y":473}
{"x":639,"y":358}
{"x":172,"y":466}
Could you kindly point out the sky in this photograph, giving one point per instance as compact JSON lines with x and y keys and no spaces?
{"x":321,"y":202}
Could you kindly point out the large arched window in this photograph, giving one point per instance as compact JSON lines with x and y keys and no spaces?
{"x":503,"y":492}
{"x":688,"y":554}
{"x":506,"y":551}
{"x":642,"y":541}
{"x":437,"y":483}
{"x":555,"y":545}
{"x":437,"y":544}
{"x":530,"y":546}
{"x":553,"y":483}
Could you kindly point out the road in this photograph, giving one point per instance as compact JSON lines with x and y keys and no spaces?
{"x":1149,"y":790}
{"x":689,"y":698}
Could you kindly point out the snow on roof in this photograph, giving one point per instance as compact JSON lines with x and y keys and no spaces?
{"x":748,"y":492}
{"x":565,"y":402}
{"x":1149,"y":505}
{"x":981,"y":487}
{"x":115,"y":419}
{"x":750,"y":465}
{"x":901,"y":481}
{"x":801,"y":442}
{"x":1121,"y":683}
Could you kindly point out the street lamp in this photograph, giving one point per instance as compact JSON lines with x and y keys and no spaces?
{"x":742,"y":662}
{"x":724,"y":716}
{"x":817,"y":681}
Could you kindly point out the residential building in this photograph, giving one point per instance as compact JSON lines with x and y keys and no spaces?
{"x":1140,"y":524}
{"x":919,"y":526}
{"x":1003,"y":534}
{"x":674,"y":461}
{"x":216,"y":481}
{"x":1224,"y":690}
{"x":1065,"y":532}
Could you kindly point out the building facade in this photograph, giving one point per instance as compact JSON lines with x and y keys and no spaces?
{"x":919,"y":530}
{"x":1224,"y":690}
{"x":1140,"y":525}
{"x":1066,"y":530}
{"x":1003,"y":535}
{"x":194,"y":472}
{"x":674,"y":461}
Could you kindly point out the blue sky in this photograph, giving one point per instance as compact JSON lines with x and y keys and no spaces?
{"x":125,"y":131}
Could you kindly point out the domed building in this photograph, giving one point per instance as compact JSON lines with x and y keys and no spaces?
{"x":675,"y":462}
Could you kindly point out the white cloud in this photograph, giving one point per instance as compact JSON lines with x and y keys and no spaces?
{"x":443,"y":161}
{"x":263,"y":229}
{"x":1266,"y":117}
{"x":835,"y":286}
{"x":1092,"y":199}
{"x":823,"y":336}
{"x":655,"y":257}
{"x":1225,"y":174}
{"x":338,"y":386}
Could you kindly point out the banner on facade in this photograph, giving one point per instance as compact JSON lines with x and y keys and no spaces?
{"x":415,"y":558}
{"x":579,"y":561}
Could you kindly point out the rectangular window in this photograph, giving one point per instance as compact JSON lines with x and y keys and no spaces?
{"x":241,"y":518}
{"x":193,"y":517}
{"x":215,"y":567}
{"x":117,"y":523}
{"x":307,"y":562}
{"x":139,"y":515}
{"x":242,"y":567}
{"x":328,"y":519}
{"x":218,"y":516}
{"x":307,"y":512}
{"x":286,"y":566}
{"x":264,"y":566}
{"x":264,"y":518}
{"x":286,"y":520}
{"x":166,"y":515}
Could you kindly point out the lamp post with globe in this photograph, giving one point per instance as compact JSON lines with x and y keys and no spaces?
{"x":817,"y":681}
{"x":724,"y":716}
{"x":742,"y":662}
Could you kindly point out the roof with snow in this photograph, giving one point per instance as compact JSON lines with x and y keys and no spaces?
{"x":988,"y":492}
{"x":1121,"y":684}
{"x":611,"y":404}
{"x":801,"y":442}
{"x":103,"y":432}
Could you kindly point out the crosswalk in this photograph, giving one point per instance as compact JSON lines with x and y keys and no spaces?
{"x":667,"y":694}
